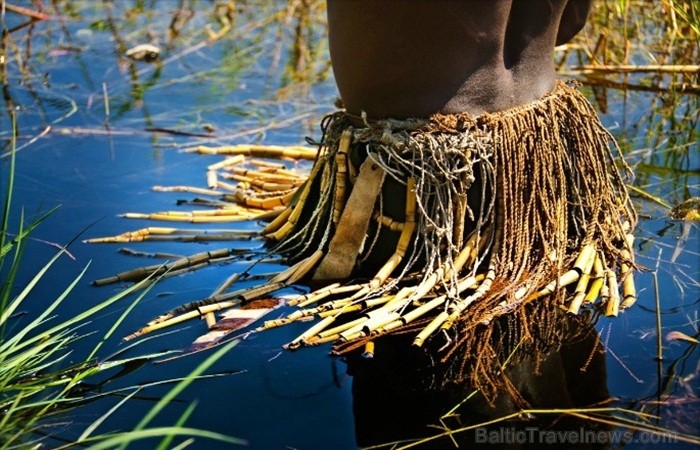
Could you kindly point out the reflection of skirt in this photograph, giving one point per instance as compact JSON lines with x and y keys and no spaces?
{"x":435,"y":228}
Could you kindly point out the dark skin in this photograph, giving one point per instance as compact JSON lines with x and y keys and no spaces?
{"x":401,"y":58}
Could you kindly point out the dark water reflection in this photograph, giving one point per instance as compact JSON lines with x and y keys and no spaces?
{"x":389,"y":405}
{"x":83,"y":112}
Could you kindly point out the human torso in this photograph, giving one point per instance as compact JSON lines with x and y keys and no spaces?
{"x":401,"y":58}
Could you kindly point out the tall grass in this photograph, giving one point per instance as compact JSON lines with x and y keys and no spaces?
{"x":37,"y":387}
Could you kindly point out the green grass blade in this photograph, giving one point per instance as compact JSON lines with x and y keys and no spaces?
{"x":10,"y":185}
{"x":167,"y":398}
{"x":36,"y":322}
{"x":184,"y":444}
{"x":83,"y":316}
{"x":121,"y":318}
{"x":165,"y":443}
{"x":93,"y":426}
{"x":9,"y":282}
{"x":28,"y":288}
{"x":131,"y":436}
{"x":24,"y":233}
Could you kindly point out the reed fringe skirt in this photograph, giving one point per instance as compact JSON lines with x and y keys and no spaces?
{"x":434,"y":228}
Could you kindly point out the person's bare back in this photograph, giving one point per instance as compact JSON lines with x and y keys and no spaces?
{"x":413,"y":58}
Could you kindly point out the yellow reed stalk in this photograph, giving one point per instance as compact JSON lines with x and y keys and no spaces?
{"x":312,"y":331}
{"x":613,"y":305}
{"x":445,"y":270}
{"x":259,"y":184}
{"x":293,"y":300}
{"x":373,"y":322}
{"x":145,"y":233}
{"x":260,"y":151}
{"x":585,"y":256}
{"x":202,"y":311}
{"x":458,"y":307}
{"x":629,"y":291}
{"x":334,"y":305}
{"x":188,"y":189}
{"x":369,"y":350}
{"x":429,"y":306}
{"x":226,"y":284}
{"x":404,"y":238}
{"x":232,"y":216}
{"x":273,"y":176}
{"x":164,"y":324}
{"x":318,"y":340}
{"x":604,"y":290}
{"x":467,"y":255}
{"x":580,"y":291}
{"x":267,"y":186}
{"x":268,"y":324}
{"x":594,"y":291}
{"x":391,"y":303}
{"x":277,"y":222}
{"x":268,"y":203}
{"x":568,"y":278}
{"x":259,"y":291}
{"x":308,"y":264}
{"x":231,"y":161}
{"x":421,"y":310}
{"x":598,"y":280}
{"x":341,"y":306}
{"x":267,"y":164}
{"x":193,"y":267}
{"x":388,"y":222}
{"x":224,"y":185}
{"x":357,"y":330}
{"x":403,"y":294}
{"x":212,"y":181}
{"x":133,"y":236}
{"x":289,"y":173}
{"x":343,"y":310}
{"x":469,"y":282}
{"x":459,"y":215}
{"x":280,"y":233}
{"x":203,"y":212}
{"x":210,"y":319}
{"x":229,"y":299}
{"x":111,"y":240}
{"x":335,"y":289}
{"x":152,"y":230}
{"x":430,"y":328}
{"x":345,"y":305}
{"x":335,"y":331}
{"x":267,"y":215}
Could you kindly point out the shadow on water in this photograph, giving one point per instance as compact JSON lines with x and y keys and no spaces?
{"x":564,"y":371}
{"x":98,"y":128}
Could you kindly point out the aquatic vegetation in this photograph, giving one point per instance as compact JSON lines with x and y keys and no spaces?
{"x":38,"y":386}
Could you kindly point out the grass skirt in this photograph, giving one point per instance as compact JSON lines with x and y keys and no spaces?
{"x":434,"y":229}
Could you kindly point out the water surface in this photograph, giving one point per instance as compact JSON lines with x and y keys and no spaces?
{"x":86,"y":117}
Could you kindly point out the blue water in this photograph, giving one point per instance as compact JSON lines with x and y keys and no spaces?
{"x":97,"y":165}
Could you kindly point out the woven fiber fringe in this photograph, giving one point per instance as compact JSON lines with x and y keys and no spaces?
{"x":437,"y":229}
{"x":554,"y":212}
